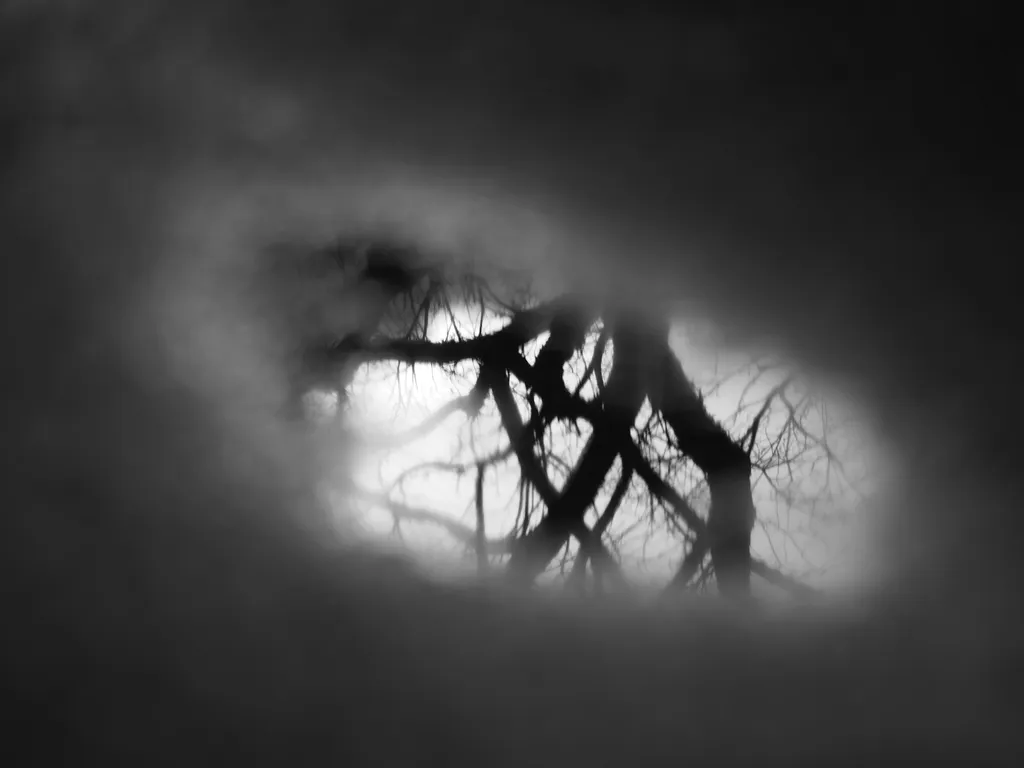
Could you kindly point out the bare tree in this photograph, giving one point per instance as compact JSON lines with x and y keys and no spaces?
{"x":606,"y":428}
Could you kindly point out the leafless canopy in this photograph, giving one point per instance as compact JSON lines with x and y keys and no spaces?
{"x":608,"y":431}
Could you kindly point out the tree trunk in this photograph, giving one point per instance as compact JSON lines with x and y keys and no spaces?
{"x":724,"y":463}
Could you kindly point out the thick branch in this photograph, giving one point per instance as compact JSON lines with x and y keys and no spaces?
{"x":595,"y":361}
{"x":614,"y":502}
{"x":525,"y":325}
{"x":468,"y":404}
{"x":568,"y":332}
{"x":779,"y":579}
{"x":520,"y":438}
{"x":580,"y":566}
{"x":481,"y":533}
{"x":691,"y":563}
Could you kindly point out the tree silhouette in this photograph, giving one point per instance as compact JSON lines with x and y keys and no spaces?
{"x":594,"y":407}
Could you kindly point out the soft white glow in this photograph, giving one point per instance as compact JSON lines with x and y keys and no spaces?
{"x":809,"y":542}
